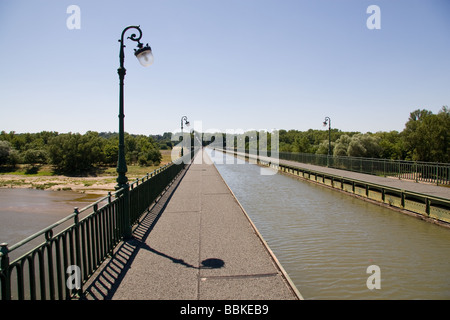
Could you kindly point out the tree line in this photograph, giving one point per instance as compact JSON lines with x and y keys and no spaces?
{"x":75,"y":153}
{"x":424,"y":138}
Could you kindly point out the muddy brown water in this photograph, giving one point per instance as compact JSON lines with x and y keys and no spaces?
{"x":24,"y":212}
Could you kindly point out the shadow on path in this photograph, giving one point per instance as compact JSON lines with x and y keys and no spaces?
{"x":105,"y":282}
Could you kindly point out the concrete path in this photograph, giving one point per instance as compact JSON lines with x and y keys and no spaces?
{"x":197,"y":243}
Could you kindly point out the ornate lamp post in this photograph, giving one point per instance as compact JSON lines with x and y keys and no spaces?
{"x":145,"y":57}
{"x":327,"y":119}
{"x":186,"y":122}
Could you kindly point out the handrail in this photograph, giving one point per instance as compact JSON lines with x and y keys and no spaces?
{"x":58,"y":223}
{"x":429,"y":202}
{"x":86,"y":243}
{"x":362,"y":182}
{"x":435,"y":172}
{"x":321,"y":173}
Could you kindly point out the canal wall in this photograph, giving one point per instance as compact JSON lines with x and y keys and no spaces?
{"x":412,"y":198}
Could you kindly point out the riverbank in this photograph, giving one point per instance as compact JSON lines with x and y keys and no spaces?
{"x":95,"y":185}
{"x":101,"y":183}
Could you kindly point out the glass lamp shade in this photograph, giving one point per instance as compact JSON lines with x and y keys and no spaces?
{"x":145,"y":56}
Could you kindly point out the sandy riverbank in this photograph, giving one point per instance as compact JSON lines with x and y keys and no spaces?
{"x":92,"y":185}
{"x":101,"y":184}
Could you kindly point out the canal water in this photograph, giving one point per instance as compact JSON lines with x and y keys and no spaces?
{"x":327,"y":240}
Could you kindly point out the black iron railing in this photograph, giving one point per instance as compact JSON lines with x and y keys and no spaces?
{"x":438,"y":173}
{"x":74,"y":247}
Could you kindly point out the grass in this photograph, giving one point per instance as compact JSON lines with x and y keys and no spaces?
{"x":45,"y":185}
{"x":136,"y":171}
{"x":22,"y":182}
{"x":23,"y":170}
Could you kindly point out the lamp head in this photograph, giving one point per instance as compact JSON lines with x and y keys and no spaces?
{"x":144,"y":54}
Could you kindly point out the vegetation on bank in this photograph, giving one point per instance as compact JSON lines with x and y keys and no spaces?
{"x":74,"y":153}
{"x":98,"y":182}
{"x":424,"y":138}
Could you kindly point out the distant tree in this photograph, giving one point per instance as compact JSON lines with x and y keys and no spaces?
{"x":35,"y":156}
{"x":356,"y":147}
{"x":302,"y":144}
{"x":110,"y":153}
{"x":426,"y":135}
{"x":364,"y":145}
{"x":5,"y":150}
{"x":75,"y":153}
{"x":323,"y":147}
{"x":392,"y":146}
{"x":8,"y":155}
{"x":14,"y":158}
{"x":341,"y":147}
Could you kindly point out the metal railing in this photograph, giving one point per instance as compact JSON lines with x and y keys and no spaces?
{"x":438,"y":173}
{"x":47,"y":272}
{"x":427,"y":206}
{"x":433,"y":207}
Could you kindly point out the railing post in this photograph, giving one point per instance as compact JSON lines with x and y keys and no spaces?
{"x":76,"y":221}
{"x":4,"y":271}
{"x":437,"y":174}
{"x":415,"y":171}
{"x":126,"y":213}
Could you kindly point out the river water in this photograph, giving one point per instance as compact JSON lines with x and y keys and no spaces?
{"x":326,"y":240}
{"x":24,"y":212}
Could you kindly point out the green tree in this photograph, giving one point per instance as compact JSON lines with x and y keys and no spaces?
{"x":35,"y":156}
{"x":111,"y":153}
{"x":364,"y":145}
{"x":301,"y":144}
{"x":391,"y":144}
{"x":323,"y":147}
{"x":5,"y":150}
{"x":341,"y":146}
{"x":426,"y":135}
{"x":74,"y":153}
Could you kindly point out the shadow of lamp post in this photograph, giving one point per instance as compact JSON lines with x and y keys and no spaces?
{"x":145,"y":57}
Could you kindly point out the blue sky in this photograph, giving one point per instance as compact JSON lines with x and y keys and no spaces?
{"x":229,"y":64}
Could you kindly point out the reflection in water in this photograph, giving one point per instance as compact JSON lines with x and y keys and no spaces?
{"x":326,"y":240}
